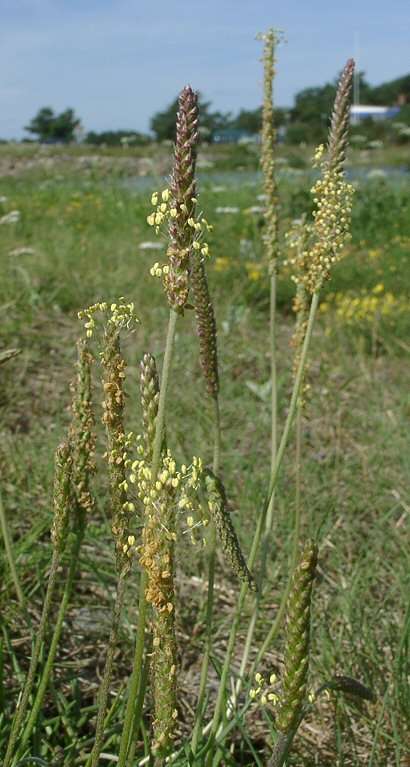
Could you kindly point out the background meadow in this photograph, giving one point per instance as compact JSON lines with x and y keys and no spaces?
{"x":79,"y":235}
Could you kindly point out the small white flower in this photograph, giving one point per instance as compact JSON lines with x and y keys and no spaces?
{"x":150,"y":245}
{"x":11,"y":218}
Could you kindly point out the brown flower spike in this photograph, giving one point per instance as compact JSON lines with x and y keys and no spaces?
{"x":113,"y":405}
{"x":182,"y":189}
{"x":206,"y":325}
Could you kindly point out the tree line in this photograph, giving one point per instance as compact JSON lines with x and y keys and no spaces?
{"x":307,"y":120}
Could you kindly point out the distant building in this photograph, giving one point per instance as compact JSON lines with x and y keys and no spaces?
{"x":235,"y":136}
{"x":360,"y":112}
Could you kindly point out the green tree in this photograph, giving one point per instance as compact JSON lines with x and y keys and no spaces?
{"x":49,"y":126}
{"x":313,"y":106}
{"x":163,"y":123}
{"x":117,"y":138}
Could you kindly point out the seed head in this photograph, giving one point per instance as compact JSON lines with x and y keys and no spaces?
{"x":219,"y":513}
{"x":270,"y":38}
{"x":62,"y":498}
{"x":206,"y":325}
{"x":149,"y":387}
{"x":182,"y":188}
{"x":118,"y":443}
{"x":297,"y":641}
{"x":82,"y":433}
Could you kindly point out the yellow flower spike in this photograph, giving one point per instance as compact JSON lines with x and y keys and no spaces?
{"x":154,"y":198}
{"x":165,"y":195}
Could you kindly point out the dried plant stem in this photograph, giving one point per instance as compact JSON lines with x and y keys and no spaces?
{"x":210,"y":593}
{"x":40,"y":634}
{"x":10,"y":556}
{"x":38,"y":700}
{"x":106,"y":679}
{"x":261,"y":522}
{"x":133,"y":712}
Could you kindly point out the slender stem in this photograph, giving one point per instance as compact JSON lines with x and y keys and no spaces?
{"x":106,"y":679}
{"x":159,"y":430}
{"x":130,"y":718}
{"x":28,"y":684}
{"x":132,"y":712}
{"x":295,"y":392}
{"x":9,"y":554}
{"x":258,"y":532}
{"x":298,"y":489}
{"x":269,"y":514}
{"x":54,"y":641}
{"x":274,"y":630}
{"x":138,"y":711}
{"x":274,"y":393}
{"x":210,"y":595}
{"x":281,"y":749}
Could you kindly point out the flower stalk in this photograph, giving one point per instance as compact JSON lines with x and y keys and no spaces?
{"x":62,"y":503}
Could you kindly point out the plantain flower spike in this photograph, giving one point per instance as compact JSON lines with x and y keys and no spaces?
{"x":220,"y":515}
{"x":297,"y":641}
{"x":268,"y":141}
{"x":339,"y":127}
{"x":206,"y":325}
{"x":62,"y":495}
{"x":332,"y":197}
{"x":182,"y":187}
{"x":117,"y":444}
{"x":82,"y":434}
{"x":149,"y":389}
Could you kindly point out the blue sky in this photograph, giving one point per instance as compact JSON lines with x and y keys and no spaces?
{"x":116,"y":62}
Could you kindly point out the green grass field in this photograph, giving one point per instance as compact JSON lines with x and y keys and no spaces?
{"x":81,"y":236}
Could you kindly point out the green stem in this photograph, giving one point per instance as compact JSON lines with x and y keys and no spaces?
{"x":132,"y":712}
{"x":130,"y":718}
{"x":281,"y":749}
{"x":138,"y":711}
{"x":269,"y":515}
{"x":210,"y":595}
{"x":274,"y":392}
{"x":107,"y":674}
{"x":9,"y":554}
{"x":28,"y":684}
{"x":298,"y":489}
{"x":258,"y":532}
{"x":274,"y":630}
{"x":159,"y":430}
{"x":54,"y":641}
